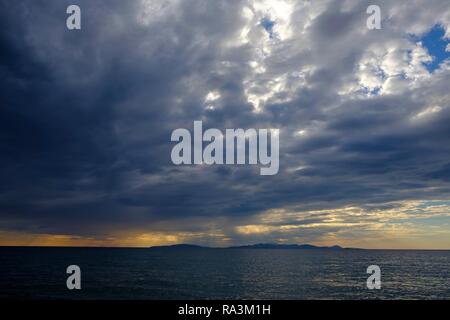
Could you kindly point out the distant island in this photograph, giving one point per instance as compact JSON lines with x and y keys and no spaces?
{"x":252,"y":246}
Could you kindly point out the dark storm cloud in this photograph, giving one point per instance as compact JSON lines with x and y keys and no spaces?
{"x":86,"y":116}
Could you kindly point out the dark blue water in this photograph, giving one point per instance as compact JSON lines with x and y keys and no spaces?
{"x":39,"y":273}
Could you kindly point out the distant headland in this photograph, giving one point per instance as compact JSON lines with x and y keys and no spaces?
{"x":252,"y":246}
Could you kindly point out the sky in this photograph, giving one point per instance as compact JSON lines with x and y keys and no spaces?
{"x":86,"y":118}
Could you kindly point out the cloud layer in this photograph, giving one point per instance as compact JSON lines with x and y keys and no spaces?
{"x":86,"y":118}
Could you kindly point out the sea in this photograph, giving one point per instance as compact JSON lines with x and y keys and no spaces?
{"x":196,"y":273}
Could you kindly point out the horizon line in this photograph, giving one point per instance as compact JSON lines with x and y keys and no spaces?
{"x":207,"y":247}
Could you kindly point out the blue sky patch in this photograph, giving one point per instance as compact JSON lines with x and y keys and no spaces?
{"x":435,"y":43}
{"x":268,"y":26}
{"x":432,"y":203}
